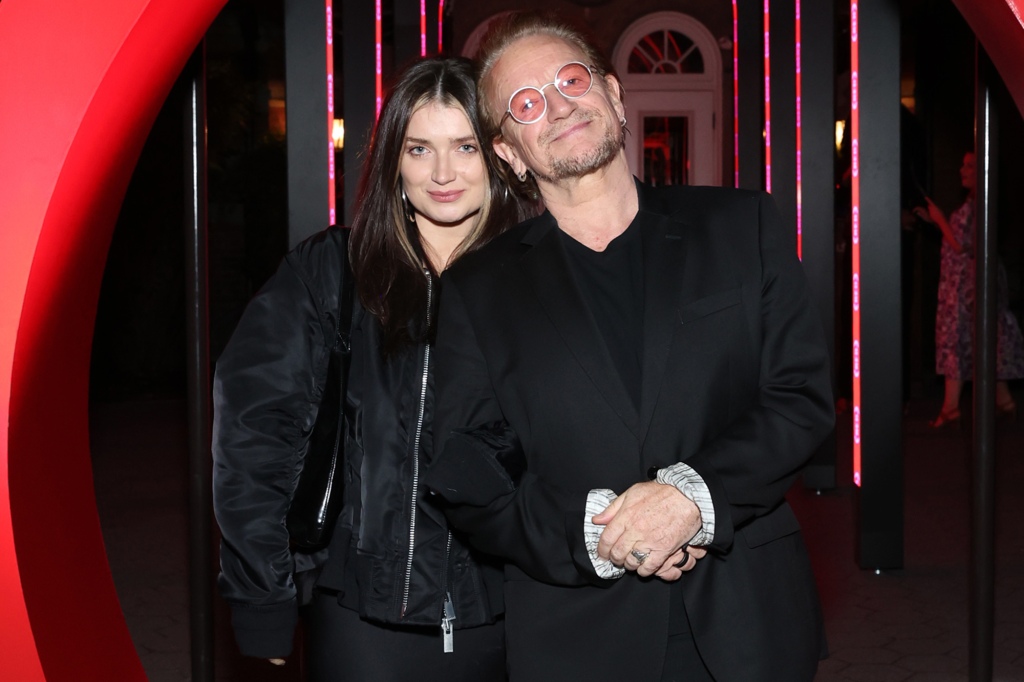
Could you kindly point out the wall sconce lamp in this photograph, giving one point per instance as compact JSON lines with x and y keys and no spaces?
{"x":338,"y":133}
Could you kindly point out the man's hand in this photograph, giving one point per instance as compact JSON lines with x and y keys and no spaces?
{"x":681,"y":561}
{"x":653,"y":519}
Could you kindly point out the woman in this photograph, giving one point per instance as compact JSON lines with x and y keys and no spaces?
{"x":954,"y":317}
{"x":393,"y":574}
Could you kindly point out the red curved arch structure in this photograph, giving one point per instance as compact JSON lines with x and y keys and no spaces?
{"x":81,"y":83}
{"x":999,"y":25}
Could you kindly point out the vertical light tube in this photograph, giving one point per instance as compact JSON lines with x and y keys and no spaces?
{"x":767,"y":98}
{"x":799,"y":144}
{"x":440,"y":26}
{"x":735,"y":95}
{"x":855,"y":234}
{"x":423,"y":28}
{"x":331,"y":151}
{"x":377,"y":57}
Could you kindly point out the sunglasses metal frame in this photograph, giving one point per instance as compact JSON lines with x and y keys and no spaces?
{"x":543,"y":97}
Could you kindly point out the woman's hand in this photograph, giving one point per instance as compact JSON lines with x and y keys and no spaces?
{"x":276,"y":661}
{"x":930,"y":213}
{"x":935,"y":214}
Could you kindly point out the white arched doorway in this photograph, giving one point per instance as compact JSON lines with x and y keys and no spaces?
{"x":671,"y":68}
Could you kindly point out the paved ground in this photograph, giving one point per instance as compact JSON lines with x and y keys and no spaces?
{"x":911,"y":625}
{"x":902,"y":626}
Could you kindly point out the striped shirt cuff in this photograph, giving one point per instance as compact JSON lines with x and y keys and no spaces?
{"x":597,"y":501}
{"x":690,"y":483}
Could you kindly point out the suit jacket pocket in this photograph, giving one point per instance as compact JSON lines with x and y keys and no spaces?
{"x":707,"y":305}
{"x":779,"y":523}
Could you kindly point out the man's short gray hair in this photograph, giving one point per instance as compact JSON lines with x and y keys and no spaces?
{"x":515,"y":26}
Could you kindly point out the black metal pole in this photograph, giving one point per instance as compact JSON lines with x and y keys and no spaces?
{"x":307,"y":141}
{"x":982,"y":591}
{"x":358,"y":92}
{"x":881,"y":511}
{"x":818,"y":120}
{"x":406,"y":31}
{"x":751,"y":94}
{"x":783,"y":109}
{"x":198,"y":375}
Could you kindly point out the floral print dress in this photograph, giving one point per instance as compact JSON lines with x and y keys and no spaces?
{"x":954,"y":317}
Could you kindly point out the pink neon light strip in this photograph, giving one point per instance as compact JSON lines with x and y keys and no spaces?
{"x":423,"y":28}
{"x":855,"y":232}
{"x":735,"y":95}
{"x":767,"y":99}
{"x":440,"y":26}
{"x":377,"y":40}
{"x":799,"y":144}
{"x":331,"y":194}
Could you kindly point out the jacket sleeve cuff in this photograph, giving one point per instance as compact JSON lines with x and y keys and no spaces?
{"x":265,"y":631}
{"x":477,"y":466}
{"x":597,"y":501}
{"x":692,"y":485}
{"x":724,"y":532}
{"x":583,"y":543}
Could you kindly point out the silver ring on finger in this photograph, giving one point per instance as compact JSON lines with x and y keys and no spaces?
{"x":640,"y":557}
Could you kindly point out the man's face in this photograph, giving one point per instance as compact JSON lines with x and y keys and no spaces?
{"x":574,"y":137}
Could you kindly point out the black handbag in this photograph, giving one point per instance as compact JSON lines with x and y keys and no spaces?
{"x":316,"y":502}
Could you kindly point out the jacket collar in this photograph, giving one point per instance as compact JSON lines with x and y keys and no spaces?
{"x":666,"y":247}
{"x":664,"y":238}
{"x":649,"y":200}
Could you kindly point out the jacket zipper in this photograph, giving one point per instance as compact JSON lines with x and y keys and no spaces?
{"x":448,"y":615}
{"x":416,"y":453}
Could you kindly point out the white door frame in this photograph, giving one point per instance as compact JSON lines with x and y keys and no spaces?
{"x":697,"y":107}
{"x":696,"y":96}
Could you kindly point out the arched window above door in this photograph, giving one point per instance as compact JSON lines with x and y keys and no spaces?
{"x":671,"y":68}
{"x":668,"y":50}
{"x":665,"y":51}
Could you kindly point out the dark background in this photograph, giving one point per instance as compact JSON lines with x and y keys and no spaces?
{"x":139,"y":343}
{"x":139,"y":339}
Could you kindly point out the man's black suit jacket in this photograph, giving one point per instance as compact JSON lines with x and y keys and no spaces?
{"x":735,"y":383}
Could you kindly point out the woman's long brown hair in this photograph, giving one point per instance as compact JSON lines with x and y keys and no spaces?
{"x":388,"y":258}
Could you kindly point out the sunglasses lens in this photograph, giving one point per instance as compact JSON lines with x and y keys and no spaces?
{"x":527,"y":105}
{"x":573,"y":80}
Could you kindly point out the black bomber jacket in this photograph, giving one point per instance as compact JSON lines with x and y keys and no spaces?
{"x":266,"y":393}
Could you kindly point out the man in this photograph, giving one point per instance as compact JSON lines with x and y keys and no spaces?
{"x":628,"y":334}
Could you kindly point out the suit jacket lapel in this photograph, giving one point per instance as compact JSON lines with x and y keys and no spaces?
{"x":547,"y":268}
{"x":665,"y":255}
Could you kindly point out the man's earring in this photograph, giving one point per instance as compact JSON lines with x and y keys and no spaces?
{"x":410,"y":214}
{"x":622,"y":121}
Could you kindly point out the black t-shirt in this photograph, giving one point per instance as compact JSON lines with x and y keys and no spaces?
{"x":612,"y":285}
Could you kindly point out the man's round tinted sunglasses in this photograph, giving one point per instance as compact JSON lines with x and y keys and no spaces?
{"x":528,"y":104}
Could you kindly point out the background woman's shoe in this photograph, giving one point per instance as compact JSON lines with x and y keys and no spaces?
{"x":945,"y":417}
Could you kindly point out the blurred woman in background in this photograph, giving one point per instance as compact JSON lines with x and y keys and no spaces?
{"x":954,"y":318}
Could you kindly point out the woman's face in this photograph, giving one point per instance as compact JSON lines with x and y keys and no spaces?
{"x":442,"y":169}
{"x":967,"y":176}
